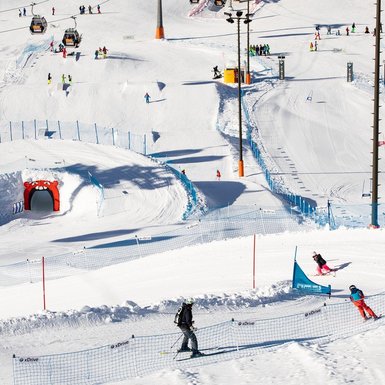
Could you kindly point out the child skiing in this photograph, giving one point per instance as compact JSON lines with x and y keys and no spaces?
{"x":322,"y":267}
{"x":357,"y":297}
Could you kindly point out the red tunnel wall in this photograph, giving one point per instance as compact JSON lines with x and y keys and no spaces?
{"x":42,"y":185}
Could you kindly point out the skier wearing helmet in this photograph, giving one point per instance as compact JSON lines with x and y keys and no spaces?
{"x":322,"y":267}
{"x":357,"y":297}
{"x":185,"y":324}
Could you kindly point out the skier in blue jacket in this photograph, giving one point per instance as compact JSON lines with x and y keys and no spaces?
{"x":357,"y":297}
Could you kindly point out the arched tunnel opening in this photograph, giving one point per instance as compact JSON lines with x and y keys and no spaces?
{"x":41,"y":195}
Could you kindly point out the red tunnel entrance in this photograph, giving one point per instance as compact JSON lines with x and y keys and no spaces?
{"x":39,"y":185}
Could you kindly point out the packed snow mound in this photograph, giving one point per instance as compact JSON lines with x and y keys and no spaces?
{"x":128,"y":310}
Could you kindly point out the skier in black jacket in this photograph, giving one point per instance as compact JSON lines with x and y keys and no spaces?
{"x":322,"y":267}
{"x":185,"y":324}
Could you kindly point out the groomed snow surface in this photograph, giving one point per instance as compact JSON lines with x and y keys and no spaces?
{"x":315,"y":129}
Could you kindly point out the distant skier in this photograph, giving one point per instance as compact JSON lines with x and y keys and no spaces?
{"x":96,"y":54}
{"x":147,"y":98}
{"x":49,"y":78}
{"x":98,"y":8}
{"x":19,"y":12}
{"x":185,"y":324}
{"x":53,"y":11}
{"x":322,"y":267}
{"x":105,"y":50}
{"x":217,"y":73}
{"x":64,"y":52}
{"x":353,"y":27}
{"x":311,"y":46}
{"x":357,"y":297}
{"x":218,"y":175}
{"x":51,"y":45}
{"x":69,"y":79}
{"x":89,"y":9}
{"x":347,"y":31}
{"x":329,"y":32}
{"x":367,"y":30}
{"x":24,"y":12}
{"x":315,"y":45}
{"x":63,"y":79}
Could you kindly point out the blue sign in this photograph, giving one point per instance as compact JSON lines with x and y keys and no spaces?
{"x":302,"y":282}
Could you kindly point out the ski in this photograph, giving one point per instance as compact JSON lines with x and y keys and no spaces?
{"x":203,"y":355}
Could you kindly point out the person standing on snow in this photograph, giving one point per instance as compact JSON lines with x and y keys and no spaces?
{"x":49,"y":78}
{"x":357,"y":297}
{"x":218,"y":175}
{"x":24,"y":12}
{"x":322,"y":267}
{"x":53,"y":11}
{"x":105,"y":50}
{"x":147,"y":98}
{"x":98,"y":8}
{"x":69,"y":79}
{"x":63,"y":79}
{"x":185,"y":324}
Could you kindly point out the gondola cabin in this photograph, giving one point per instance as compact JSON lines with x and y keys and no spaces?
{"x":71,"y":37}
{"x":38,"y":24}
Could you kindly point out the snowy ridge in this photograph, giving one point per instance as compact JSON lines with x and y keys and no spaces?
{"x":129,"y":309}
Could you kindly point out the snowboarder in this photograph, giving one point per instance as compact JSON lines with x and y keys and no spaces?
{"x":49,"y":78}
{"x":98,"y":8}
{"x":185,"y":324}
{"x":218,"y":175}
{"x":183,"y":172}
{"x":96,"y":54}
{"x":217,"y":73}
{"x":53,"y":11}
{"x":105,"y":50}
{"x":322,"y":267}
{"x":63,"y":79}
{"x":357,"y":297}
{"x":147,"y":98}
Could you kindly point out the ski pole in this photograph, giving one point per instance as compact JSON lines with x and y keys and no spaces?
{"x":176,"y":341}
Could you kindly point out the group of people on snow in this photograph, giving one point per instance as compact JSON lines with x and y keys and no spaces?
{"x":259,"y":50}
{"x":82,"y":9}
{"x":101,"y":53}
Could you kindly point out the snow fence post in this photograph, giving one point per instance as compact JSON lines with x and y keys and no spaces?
{"x":113,"y":136}
{"x":254,"y":261}
{"x":77,"y":125}
{"x":43,"y":274}
{"x":129,"y":140}
{"x":145,"y":144}
{"x":58,"y":126}
{"x":34,"y":125}
{"x":10,"y":130}
{"x":96,"y":134}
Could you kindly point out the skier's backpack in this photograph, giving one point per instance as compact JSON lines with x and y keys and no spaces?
{"x":178,"y":316}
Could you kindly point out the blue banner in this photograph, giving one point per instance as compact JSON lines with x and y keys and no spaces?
{"x":302,"y":282}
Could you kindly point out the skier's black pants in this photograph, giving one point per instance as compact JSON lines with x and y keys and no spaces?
{"x":189,"y":335}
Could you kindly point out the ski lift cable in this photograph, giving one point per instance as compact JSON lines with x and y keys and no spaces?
{"x":22,"y":6}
